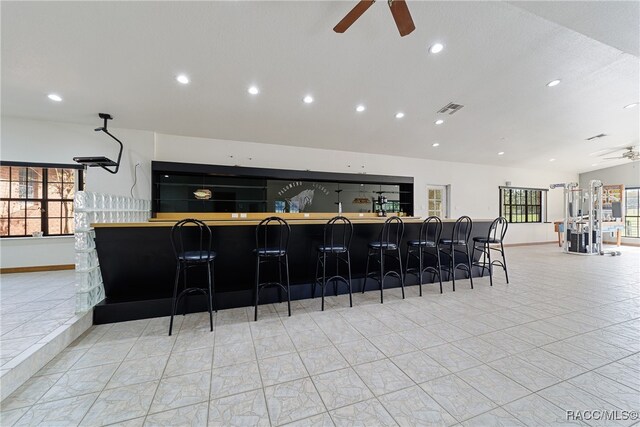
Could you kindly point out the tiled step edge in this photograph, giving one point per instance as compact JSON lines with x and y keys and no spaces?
{"x":22,"y":367}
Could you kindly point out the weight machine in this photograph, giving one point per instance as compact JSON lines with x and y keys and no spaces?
{"x":583,"y":218}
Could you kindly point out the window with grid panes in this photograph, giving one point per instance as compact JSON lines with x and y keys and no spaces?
{"x":522,"y":205}
{"x":632,"y":212}
{"x":36,"y":198}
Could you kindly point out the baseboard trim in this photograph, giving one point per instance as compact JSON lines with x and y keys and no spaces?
{"x":37,"y":268}
{"x":637,"y":245}
{"x":510,"y":245}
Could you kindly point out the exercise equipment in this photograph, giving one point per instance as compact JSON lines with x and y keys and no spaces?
{"x":583,"y":219}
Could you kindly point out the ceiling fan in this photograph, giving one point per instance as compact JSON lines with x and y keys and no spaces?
{"x":630,"y":154}
{"x":399,"y":10}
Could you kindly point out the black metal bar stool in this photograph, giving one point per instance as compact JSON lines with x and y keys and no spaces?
{"x":191,"y":241}
{"x":458,"y":244}
{"x":495,"y":237}
{"x":272,"y":242}
{"x":426,"y":245}
{"x":387,"y":246}
{"x":336,"y":241}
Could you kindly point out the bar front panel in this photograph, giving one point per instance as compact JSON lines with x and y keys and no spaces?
{"x":138,"y":266}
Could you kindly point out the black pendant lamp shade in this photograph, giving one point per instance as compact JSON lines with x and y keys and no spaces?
{"x":101,"y":161}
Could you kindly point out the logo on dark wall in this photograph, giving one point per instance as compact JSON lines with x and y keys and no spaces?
{"x":299,"y":195}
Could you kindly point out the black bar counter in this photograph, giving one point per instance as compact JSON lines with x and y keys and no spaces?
{"x":138,"y":265}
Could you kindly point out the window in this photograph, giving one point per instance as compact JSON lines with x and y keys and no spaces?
{"x":523,"y":205}
{"x":36,"y":198}
{"x":631,"y":212}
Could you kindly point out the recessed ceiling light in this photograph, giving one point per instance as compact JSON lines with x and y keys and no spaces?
{"x":635,"y":104}
{"x":307,"y":99}
{"x":182,"y":79}
{"x":553,"y":83}
{"x":439,"y":121}
{"x":54,"y":97}
{"x":436,"y":48}
{"x":552,"y":160}
{"x":501,"y":153}
{"x":399,"y":115}
{"x":594,"y":164}
{"x":360,"y":108}
{"x":253,"y":90}
{"x":435,"y":144}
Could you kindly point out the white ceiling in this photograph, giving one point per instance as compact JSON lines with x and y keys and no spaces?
{"x":122,"y":58}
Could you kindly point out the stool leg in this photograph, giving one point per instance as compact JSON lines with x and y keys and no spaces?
{"x":174,"y":302}
{"x":349,"y":271}
{"x":381,"y":277}
{"x":452,"y":264}
{"x":504,"y":262}
{"x":406,"y":262}
{"x":401,"y":274}
{"x":439,"y":267}
{"x":255,"y":316}
{"x":366,"y":272}
{"x":280,"y":280}
{"x":209,"y":295}
{"x":324,"y":277}
{"x":490,"y":265}
{"x":286,"y":263}
{"x":473,"y":256}
{"x":469,"y":265}
{"x":420,"y":267}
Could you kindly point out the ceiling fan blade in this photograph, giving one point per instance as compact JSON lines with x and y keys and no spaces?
{"x":401,"y":15}
{"x":353,"y":15}
{"x":607,"y":151}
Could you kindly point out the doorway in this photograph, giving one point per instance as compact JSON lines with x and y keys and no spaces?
{"x":437,"y":201}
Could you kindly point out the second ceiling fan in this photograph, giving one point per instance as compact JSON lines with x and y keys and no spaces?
{"x":399,"y":10}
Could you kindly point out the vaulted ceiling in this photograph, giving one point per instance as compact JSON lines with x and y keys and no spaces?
{"x":123,"y":57}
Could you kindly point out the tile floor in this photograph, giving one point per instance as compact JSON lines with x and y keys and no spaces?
{"x":32,"y":306}
{"x":37,"y":322}
{"x":564,"y":335}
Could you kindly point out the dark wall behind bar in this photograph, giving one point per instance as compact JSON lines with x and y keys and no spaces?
{"x":239,"y":189}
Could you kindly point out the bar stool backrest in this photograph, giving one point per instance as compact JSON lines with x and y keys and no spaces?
{"x":338,"y":232}
{"x":498,"y":229}
{"x":392,"y":231}
{"x":191,"y":235}
{"x":273,"y":233}
{"x":462,"y":229}
{"x":431,"y":229}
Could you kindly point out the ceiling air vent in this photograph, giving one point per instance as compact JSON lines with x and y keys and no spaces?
{"x":602,"y":135}
{"x":450,"y":108}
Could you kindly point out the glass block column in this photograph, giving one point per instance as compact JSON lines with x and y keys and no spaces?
{"x":91,"y":208}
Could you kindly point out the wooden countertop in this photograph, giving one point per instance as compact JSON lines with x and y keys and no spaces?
{"x":253,"y":222}
{"x":156,"y":222}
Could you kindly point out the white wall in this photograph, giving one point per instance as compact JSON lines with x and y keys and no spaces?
{"x":474,"y":188}
{"x":51,"y":142}
{"x":31,"y":251}
{"x":627,"y":174}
